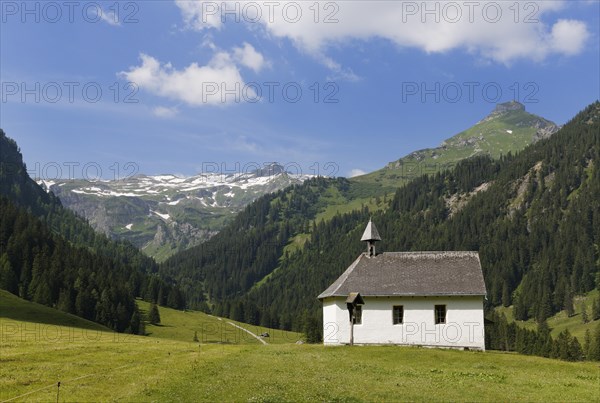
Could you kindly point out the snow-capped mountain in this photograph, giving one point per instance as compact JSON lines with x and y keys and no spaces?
{"x":166,"y":213}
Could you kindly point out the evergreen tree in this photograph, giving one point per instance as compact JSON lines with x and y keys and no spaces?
{"x":587,"y":344}
{"x":596,"y":308}
{"x":567,"y":347}
{"x":563,"y":343}
{"x":548,"y":345}
{"x":136,"y":322}
{"x":153,"y":314}
{"x":568,"y":304}
{"x":575,"y":350}
{"x":142,"y":328}
{"x":237,"y":312}
{"x":8,"y":279}
{"x":506,"y":302}
{"x":584,"y":315}
{"x":543,"y":329}
{"x":65,"y":301}
{"x":311,"y":328}
{"x":520,"y":312}
{"x":594,"y":351}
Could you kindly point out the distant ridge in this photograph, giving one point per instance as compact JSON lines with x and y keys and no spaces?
{"x":507,"y":128}
{"x":163,"y":214}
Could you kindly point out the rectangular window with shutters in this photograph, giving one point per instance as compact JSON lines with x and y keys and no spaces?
{"x":398,"y":314}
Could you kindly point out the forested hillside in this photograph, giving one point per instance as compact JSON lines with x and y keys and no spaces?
{"x":248,"y":249}
{"x":537,"y":226}
{"x":534,"y":218}
{"x":51,"y":256}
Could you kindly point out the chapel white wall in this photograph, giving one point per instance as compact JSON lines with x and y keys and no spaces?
{"x":464,"y":325}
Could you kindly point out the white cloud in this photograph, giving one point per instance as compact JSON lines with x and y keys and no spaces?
{"x":569,"y":36}
{"x":492,"y":30}
{"x":217,"y":83}
{"x":109,"y":17}
{"x":242,"y":143}
{"x":356,"y":172}
{"x":165,"y":112}
{"x":339,"y":72}
{"x":197,"y":15}
{"x":207,"y":42}
{"x":249,"y":57}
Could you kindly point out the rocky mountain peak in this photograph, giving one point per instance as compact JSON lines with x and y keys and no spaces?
{"x":509,"y":106}
{"x":269,"y":170}
{"x":503,"y":108}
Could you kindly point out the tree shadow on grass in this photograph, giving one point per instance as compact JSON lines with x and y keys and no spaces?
{"x":15,"y":308}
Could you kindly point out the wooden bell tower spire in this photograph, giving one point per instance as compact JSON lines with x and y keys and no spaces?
{"x":370,"y":236}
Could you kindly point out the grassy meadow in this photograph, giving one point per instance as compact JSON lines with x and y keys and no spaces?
{"x":40,"y":346}
{"x":182,"y":325}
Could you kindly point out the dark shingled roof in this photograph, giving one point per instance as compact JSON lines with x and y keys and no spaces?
{"x":411,"y":273}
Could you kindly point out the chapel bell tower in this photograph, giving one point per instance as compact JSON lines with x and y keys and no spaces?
{"x":370,"y":236}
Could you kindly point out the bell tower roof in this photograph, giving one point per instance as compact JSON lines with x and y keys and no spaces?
{"x":371,"y":233}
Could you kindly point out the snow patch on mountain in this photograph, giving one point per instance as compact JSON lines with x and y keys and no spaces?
{"x":161,"y":215}
{"x":168,"y":209}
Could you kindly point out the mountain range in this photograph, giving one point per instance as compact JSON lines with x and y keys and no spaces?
{"x":167,"y":213}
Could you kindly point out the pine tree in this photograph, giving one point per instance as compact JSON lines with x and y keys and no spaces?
{"x":575,"y":350}
{"x":153,"y":314}
{"x":563,"y":344}
{"x":543,"y":329}
{"x":547,"y":350}
{"x":596,"y":308}
{"x":311,"y":328}
{"x":594,"y":351}
{"x":519,"y":310}
{"x":584,"y":314}
{"x":545,"y":309}
{"x":568,"y":304}
{"x":587,"y":344}
{"x":8,"y":279}
{"x":142,"y":328}
{"x":135,"y":322}
{"x":237,"y":312}
{"x":505,"y":295}
{"x":65,"y":302}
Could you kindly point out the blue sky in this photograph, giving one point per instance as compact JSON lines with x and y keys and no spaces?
{"x":356,"y":84}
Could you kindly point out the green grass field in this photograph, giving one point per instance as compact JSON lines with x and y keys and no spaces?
{"x":40,"y":347}
{"x":181,"y":326}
